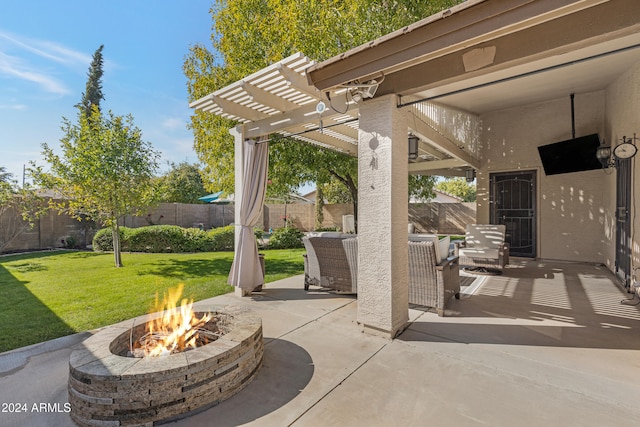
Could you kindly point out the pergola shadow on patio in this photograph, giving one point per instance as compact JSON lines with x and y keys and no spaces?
{"x":547,"y":343}
{"x":539,"y":303}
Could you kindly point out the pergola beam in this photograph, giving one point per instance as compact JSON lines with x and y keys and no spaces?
{"x":434,"y":165}
{"x":285,"y":121}
{"x":427,"y":148}
{"x":443,"y":144}
{"x":266,"y":98}
{"x":238,"y":110}
{"x":298,"y":81}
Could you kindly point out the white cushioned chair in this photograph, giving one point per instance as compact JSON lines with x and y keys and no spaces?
{"x":484,"y":247}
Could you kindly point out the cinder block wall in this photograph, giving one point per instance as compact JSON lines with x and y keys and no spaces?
{"x":52,"y":229}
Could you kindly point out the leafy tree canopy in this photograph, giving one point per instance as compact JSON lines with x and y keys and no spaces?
{"x":252,"y":34}
{"x":19,"y":208}
{"x":458,"y":187}
{"x":105,"y":170}
{"x":181,"y":184}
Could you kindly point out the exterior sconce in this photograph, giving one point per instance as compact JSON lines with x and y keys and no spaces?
{"x":470,"y":175}
{"x":623,"y":151}
{"x":603,"y":154}
{"x":413,"y":147}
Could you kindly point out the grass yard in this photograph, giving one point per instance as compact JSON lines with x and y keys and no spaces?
{"x":47,"y":295}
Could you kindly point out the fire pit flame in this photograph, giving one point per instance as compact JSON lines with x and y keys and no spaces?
{"x":176,"y":330}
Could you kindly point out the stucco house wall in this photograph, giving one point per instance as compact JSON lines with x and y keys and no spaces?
{"x":571,"y":208}
{"x":622,"y":119}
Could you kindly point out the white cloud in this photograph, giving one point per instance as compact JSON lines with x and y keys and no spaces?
{"x":17,"y":60}
{"x":15,"y":67}
{"x":13,"y":107}
{"x":173,"y":123}
{"x":48,"y":49}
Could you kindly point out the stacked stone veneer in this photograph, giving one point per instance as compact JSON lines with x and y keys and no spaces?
{"x":106,"y":389}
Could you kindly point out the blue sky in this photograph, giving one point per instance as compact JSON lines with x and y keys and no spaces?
{"x":45,"y":52}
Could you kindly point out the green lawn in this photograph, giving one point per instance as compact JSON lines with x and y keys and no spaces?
{"x":47,"y":295}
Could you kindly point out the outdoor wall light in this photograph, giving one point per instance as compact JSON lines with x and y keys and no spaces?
{"x":413,"y":146}
{"x":470,"y":175}
{"x":603,"y":154}
{"x":625,"y":150}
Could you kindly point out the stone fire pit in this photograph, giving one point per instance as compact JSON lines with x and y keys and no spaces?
{"x":108,"y":388}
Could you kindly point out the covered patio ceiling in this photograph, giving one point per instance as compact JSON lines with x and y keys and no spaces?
{"x":483,"y":56}
{"x":477,"y":57}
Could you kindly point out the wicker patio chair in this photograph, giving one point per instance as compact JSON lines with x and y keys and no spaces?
{"x":350,"y":246}
{"x":311,"y":266}
{"x":432,"y":284}
{"x":336,"y":263}
{"x":484,"y":248}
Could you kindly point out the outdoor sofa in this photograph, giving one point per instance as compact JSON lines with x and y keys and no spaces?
{"x":331,"y":262}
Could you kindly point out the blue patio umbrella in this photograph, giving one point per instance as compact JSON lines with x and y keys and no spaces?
{"x":211,"y":197}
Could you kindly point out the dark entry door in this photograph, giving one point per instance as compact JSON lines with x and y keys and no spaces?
{"x":623,"y":221}
{"x":513,"y":203}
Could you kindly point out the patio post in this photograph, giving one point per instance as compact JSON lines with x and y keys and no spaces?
{"x":383,"y":300}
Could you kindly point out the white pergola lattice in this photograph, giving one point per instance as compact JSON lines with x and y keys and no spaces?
{"x":279,"y":100}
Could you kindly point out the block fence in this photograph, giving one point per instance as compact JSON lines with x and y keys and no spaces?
{"x":53,"y":230}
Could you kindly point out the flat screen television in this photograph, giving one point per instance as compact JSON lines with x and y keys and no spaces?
{"x":573,"y":155}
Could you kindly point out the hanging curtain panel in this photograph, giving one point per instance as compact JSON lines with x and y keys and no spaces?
{"x":246,"y":272}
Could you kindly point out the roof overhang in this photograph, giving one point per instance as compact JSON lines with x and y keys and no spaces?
{"x":482,"y":42}
{"x":476,"y":57}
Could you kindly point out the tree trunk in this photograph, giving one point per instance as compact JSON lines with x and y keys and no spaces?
{"x":115,"y":233}
{"x":347,"y":180}
{"x":355,"y":212}
{"x":354,"y":196}
{"x":319,"y":207}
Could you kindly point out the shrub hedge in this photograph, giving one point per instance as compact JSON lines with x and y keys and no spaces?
{"x":286,"y":238}
{"x":167,"y":238}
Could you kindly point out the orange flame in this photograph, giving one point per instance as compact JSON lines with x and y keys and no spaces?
{"x":177,"y":329}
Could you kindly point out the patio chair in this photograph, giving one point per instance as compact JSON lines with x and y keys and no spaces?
{"x":432,"y":283}
{"x":311,"y":267}
{"x":484,"y":249}
{"x":331,"y":262}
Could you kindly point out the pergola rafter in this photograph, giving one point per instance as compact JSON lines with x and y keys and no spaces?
{"x":279,"y":100}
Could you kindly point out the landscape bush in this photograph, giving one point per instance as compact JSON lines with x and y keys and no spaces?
{"x":286,"y":238}
{"x":167,"y":238}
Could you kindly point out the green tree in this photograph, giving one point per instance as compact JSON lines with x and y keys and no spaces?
{"x":458,"y":187}
{"x":5,"y":177}
{"x":105,"y":170}
{"x":92,"y":95}
{"x":421,"y":186}
{"x":19,"y":208}
{"x":181,"y":184}
{"x":251,"y":34}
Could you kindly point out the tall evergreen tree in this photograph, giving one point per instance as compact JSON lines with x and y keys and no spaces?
{"x":93,"y":92}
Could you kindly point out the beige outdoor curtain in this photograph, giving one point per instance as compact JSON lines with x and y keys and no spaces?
{"x":246,"y":272}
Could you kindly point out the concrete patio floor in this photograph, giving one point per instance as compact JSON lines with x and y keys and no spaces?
{"x":547,"y":343}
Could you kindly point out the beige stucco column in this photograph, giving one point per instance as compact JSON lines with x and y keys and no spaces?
{"x":383,"y":307}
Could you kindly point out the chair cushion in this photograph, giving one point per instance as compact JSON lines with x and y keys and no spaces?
{"x":441,"y":246}
{"x":479,"y":253}
{"x":485,"y":236}
{"x":324,"y":234}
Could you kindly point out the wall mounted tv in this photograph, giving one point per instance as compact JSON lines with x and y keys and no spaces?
{"x":573,"y":155}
